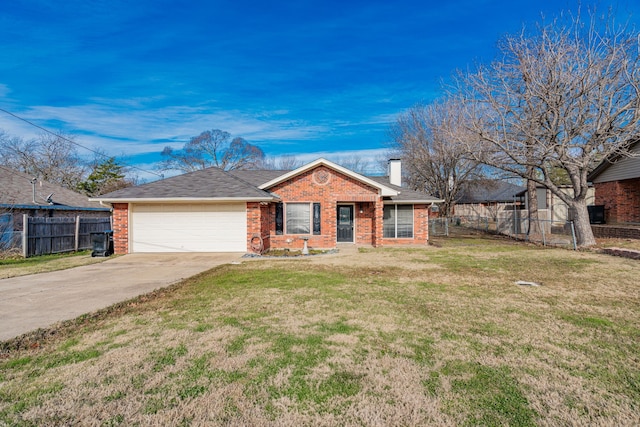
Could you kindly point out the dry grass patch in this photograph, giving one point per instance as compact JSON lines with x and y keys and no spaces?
{"x":18,"y":266}
{"x":431,"y":336}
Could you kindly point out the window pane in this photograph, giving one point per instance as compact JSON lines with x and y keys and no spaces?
{"x":405,"y":221}
{"x":389,"y":221}
{"x":298,"y":218}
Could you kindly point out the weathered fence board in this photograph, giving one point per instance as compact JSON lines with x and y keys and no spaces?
{"x":55,"y":235}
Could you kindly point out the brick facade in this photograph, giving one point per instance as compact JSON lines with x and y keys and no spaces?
{"x":331,"y":188}
{"x":121,"y":228}
{"x":621,"y":200}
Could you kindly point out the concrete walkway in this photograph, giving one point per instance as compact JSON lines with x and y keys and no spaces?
{"x":41,"y":300}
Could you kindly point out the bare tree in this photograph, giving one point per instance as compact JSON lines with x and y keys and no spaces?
{"x":212,"y":148}
{"x":355,"y":163}
{"x":561,"y":98}
{"x":285,"y":162}
{"x":432,"y":144}
{"x":52,"y":158}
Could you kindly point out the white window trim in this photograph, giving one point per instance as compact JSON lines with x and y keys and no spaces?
{"x":395,"y":225}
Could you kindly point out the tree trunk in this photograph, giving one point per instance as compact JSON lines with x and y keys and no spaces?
{"x":532,"y":202}
{"x":584,"y":233}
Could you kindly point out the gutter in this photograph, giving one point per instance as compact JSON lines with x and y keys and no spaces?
{"x":182,"y":199}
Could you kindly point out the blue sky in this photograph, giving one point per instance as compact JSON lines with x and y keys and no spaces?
{"x":305,"y":78}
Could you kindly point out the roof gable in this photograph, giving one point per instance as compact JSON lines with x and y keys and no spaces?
{"x":385,"y":190}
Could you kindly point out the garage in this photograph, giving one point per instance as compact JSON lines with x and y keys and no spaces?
{"x":188,"y":227}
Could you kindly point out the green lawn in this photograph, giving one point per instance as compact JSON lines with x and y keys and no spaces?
{"x":433,"y":336}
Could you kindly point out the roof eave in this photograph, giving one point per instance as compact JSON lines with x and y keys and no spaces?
{"x":400,"y":202}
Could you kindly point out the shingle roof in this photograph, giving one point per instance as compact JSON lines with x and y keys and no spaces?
{"x":17,"y":190}
{"x":491,"y":191}
{"x":211,"y":183}
{"x":216,"y":183}
{"x":405,"y":194}
{"x":258,"y":177}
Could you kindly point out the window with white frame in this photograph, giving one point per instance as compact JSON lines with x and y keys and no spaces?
{"x":298,"y":218}
{"x":398,"y":221}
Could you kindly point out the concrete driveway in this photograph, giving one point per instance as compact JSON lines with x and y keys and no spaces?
{"x":40,"y":300}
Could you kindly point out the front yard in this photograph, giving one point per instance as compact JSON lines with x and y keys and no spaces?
{"x":433,"y":336}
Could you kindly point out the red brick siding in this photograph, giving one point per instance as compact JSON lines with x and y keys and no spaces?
{"x":265,"y":225}
{"x":121,"y":228}
{"x":337,"y":189}
{"x":368,"y":226}
{"x":621,"y":200}
{"x":420,"y":229}
{"x":606,"y":231}
{"x":258,"y":223}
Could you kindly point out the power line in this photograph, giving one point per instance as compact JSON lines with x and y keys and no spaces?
{"x":73,"y":142}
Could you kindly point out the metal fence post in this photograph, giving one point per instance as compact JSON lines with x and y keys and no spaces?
{"x":544,"y":239}
{"x":446,"y":227}
{"x":573,"y":235}
{"x":25,"y":235}
{"x":77,"y":236}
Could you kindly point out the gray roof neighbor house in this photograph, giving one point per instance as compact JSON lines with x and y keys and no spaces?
{"x":22,"y":191}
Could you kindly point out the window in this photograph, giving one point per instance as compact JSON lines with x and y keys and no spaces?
{"x":298,"y":218}
{"x":398,"y":221}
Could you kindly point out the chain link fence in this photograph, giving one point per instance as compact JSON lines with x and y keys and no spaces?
{"x":541,"y":231}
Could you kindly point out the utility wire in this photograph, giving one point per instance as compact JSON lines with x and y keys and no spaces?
{"x":74,"y":143}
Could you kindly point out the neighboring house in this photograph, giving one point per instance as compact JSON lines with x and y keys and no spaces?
{"x":617,"y":184}
{"x":250,"y":210}
{"x":22,"y":194}
{"x":550,"y":206}
{"x":489,"y":199}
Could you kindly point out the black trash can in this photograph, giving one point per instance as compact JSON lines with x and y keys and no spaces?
{"x":596,"y":214}
{"x":102,"y":243}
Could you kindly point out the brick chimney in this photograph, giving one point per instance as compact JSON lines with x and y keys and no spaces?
{"x":395,"y":172}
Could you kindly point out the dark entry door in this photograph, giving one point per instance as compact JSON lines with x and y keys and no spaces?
{"x":345,"y":223}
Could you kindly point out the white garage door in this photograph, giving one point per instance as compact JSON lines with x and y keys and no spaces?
{"x":189,"y":228}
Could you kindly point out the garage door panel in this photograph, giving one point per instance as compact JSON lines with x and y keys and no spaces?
{"x":189,"y":228}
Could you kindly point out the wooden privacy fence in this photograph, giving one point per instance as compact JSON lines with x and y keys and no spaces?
{"x":43,"y":236}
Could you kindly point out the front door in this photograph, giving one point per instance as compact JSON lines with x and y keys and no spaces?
{"x":345,"y":223}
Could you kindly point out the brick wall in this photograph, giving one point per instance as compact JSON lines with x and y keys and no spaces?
{"x":258,"y":222}
{"x":121,"y":228}
{"x":620,"y":232}
{"x":621,"y":200}
{"x":420,"y":229}
{"x":329,"y":188}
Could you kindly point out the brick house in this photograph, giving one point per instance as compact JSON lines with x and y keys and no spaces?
{"x":617,"y":184}
{"x":253,"y":210}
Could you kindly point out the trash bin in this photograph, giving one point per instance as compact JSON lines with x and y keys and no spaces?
{"x":102,"y":243}
{"x":596,"y":214}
